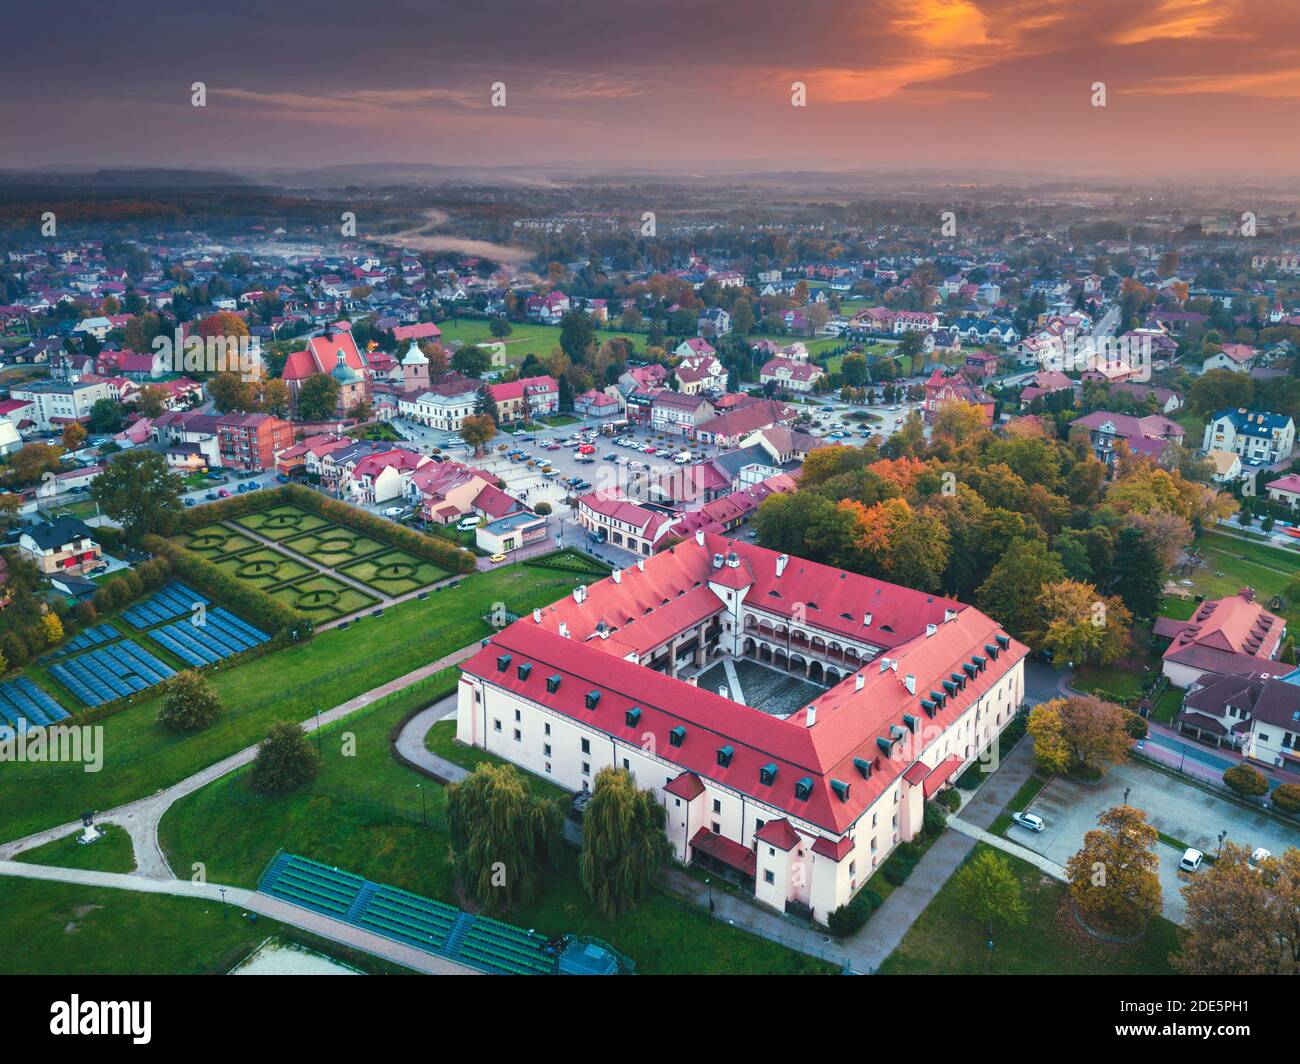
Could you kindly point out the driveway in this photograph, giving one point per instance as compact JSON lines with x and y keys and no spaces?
{"x":1175,"y":809}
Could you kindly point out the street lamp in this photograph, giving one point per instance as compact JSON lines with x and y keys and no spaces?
{"x":709,"y":883}
{"x":318,"y":746}
{"x":1219,"y":852}
{"x":1126,"y":790}
{"x":424,"y":806}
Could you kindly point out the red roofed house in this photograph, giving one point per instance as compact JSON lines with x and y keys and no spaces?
{"x":614,"y":517}
{"x":1232,"y":636}
{"x":446,"y":492}
{"x":700,"y":369}
{"x":729,"y":428}
{"x":333,"y":352}
{"x":893,"y":693}
{"x":425,"y":330}
{"x":940,"y":389}
{"x":788,"y":375}
{"x":379,"y":477}
{"x":527,"y":397}
{"x":1285,"y":490}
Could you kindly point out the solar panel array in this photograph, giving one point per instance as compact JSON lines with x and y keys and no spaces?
{"x":94,"y":636}
{"x":24,"y":705}
{"x":111,"y":672}
{"x":169,"y":602}
{"x":221,"y":635}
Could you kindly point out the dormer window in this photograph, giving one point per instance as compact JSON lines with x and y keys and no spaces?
{"x":767,"y":775}
{"x":803,"y":788}
{"x":911,"y":722}
{"x":553,"y":683}
{"x":725,"y":754}
{"x":632,"y":716}
{"x":677,"y":736}
{"x":593,"y":697}
{"x":863,"y":766}
{"x":525,"y":670}
{"x":841,"y":790}
{"x":503,"y":663}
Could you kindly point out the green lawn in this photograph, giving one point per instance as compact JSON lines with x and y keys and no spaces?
{"x":374,"y":816}
{"x":945,"y":940}
{"x":394,"y":572}
{"x":322,"y":598}
{"x":1233,"y":563}
{"x":215,"y":541}
{"x":1167,"y":705}
{"x":1119,"y":683}
{"x":334,"y":545}
{"x":281,"y":522}
{"x":112,"y":853}
{"x":57,"y":928}
{"x":288,"y":684}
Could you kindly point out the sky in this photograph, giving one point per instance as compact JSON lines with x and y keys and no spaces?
{"x":1192,"y":87}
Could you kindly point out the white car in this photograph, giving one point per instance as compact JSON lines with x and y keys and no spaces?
{"x":1029,"y":820}
{"x":468,"y":524}
{"x":1191,"y":859}
{"x":394,"y":511}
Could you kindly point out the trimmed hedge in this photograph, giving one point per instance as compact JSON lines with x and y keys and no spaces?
{"x":849,"y":919}
{"x":569,"y":561}
{"x":438,"y":551}
{"x":284,"y":624}
{"x":236,"y":505}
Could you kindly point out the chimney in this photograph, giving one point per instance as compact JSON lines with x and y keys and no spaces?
{"x":733,"y":560}
{"x":884,"y":664}
{"x":724,"y":691}
{"x":866,"y":620}
{"x":699,"y":536}
{"x":930,"y":629}
{"x":617,"y":574}
{"x":859,"y":681}
{"x":812,"y":715}
{"x":537,"y":616}
{"x":781,"y":562}
{"x":949,"y":615}
{"x":717,"y":561}
{"x":909,"y":681}
{"x":640,"y":564}
{"x":580,"y":595}
{"x":564,"y":630}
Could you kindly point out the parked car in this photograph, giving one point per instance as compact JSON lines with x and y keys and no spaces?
{"x":1192,"y":859}
{"x":1032,"y":821}
{"x":393,"y":511}
{"x":189,"y":501}
{"x":212,"y":496}
{"x":497,"y":559}
{"x":468,"y":524}
{"x":224,"y":493}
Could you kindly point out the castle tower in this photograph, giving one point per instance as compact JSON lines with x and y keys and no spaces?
{"x":415,"y":368}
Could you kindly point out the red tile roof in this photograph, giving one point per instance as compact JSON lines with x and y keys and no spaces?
{"x":721,"y":848}
{"x":779,"y":833}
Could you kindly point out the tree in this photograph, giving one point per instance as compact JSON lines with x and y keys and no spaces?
{"x":189,"y":702}
{"x":1246,"y":781}
{"x":53,"y":628}
{"x":577,"y":334}
{"x":139,"y":492}
{"x":1079,"y":732}
{"x":502,"y":836}
{"x":106,"y":415}
{"x":1113,"y":879}
{"x":623,"y":843}
{"x":1138,"y":575}
{"x":853,"y":368}
{"x":151,"y":401}
{"x":1082,"y":626}
{"x":1012,"y":592}
{"x":31,"y":462}
{"x":318,"y":397}
{"x":73,"y":436}
{"x":275,"y":398}
{"x":285,"y":760}
{"x":477,"y":430}
{"x":958,"y":421}
{"x":1286,"y":797}
{"x":987,"y":888}
{"x":470,"y":361}
{"x":542,"y":509}
{"x":500,"y":328}
{"x":1242,"y":920}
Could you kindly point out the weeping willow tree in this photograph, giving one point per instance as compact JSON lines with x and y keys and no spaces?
{"x":502,"y":836}
{"x":623,"y":843}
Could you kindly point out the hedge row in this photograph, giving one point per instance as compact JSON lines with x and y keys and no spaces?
{"x":236,"y":505}
{"x":284,"y":624}
{"x":569,"y":561}
{"x":438,"y":551}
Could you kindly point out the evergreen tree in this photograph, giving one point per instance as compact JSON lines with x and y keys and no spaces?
{"x":1138,"y":574}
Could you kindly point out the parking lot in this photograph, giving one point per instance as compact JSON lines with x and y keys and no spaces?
{"x":1177,"y":810}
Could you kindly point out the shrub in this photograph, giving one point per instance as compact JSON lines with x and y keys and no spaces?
{"x":1245,"y":781}
{"x":86,"y":613}
{"x":1136,"y":726}
{"x":900,"y":863}
{"x":1287,"y":797}
{"x":949,"y":799}
{"x":189,"y":702}
{"x":849,"y":919}
{"x":934,"y":819}
{"x":14,"y":649}
{"x":285,"y":760}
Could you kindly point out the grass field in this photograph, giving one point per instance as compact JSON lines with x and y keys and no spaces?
{"x":394,"y":572}
{"x":289,"y":684}
{"x":334,"y":545}
{"x":1243,"y":564}
{"x":112,"y":853}
{"x":322,"y":598}
{"x":372,"y":815}
{"x":945,"y":940}
{"x":57,"y":928}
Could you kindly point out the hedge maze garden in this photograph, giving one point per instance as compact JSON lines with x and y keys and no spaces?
{"x":338,"y":550}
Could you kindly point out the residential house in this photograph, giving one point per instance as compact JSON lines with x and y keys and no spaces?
{"x":526,"y":398}
{"x":787,"y":375}
{"x":252,"y":441}
{"x":64,"y":545}
{"x":1260,"y":437}
{"x":1231,"y":636}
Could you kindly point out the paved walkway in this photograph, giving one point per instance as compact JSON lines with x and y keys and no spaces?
{"x":1053,"y":869}
{"x":263,"y":904}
